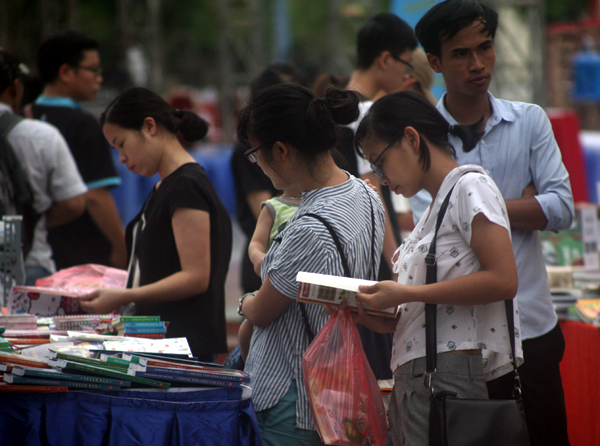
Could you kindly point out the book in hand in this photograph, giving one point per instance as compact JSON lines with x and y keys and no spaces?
{"x":58,"y":375}
{"x":16,"y":379}
{"x":77,"y":368}
{"x":43,"y":301}
{"x":324,"y":289}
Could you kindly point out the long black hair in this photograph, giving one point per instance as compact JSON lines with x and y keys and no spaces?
{"x":389,"y":116}
{"x":129,"y":109}
{"x":295,"y":115}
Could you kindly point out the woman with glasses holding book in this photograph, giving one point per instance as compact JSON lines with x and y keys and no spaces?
{"x":291,"y":134}
{"x":179,"y":244}
{"x":407,"y":142}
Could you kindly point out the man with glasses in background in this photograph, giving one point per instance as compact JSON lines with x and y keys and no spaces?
{"x":69,"y":67}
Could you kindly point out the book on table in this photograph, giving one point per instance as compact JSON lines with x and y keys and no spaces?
{"x":6,"y":387}
{"x":16,"y":359}
{"x":162,"y":360}
{"x":324,"y":289}
{"x":58,"y":375}
{"x":16,"y":379}
{"x":191,"y":380}
{"x":53,"y":354}
{"x":81,"y":368}
{"x":227,"y":375}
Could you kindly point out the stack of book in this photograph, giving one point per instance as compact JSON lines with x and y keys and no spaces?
{"x":62,"y":372}
{"x":140,"y":326}
{"x":84,"y":322}
{"x":39,"y":335}
{"x":180,"y":372}
{"x":22,"y":321}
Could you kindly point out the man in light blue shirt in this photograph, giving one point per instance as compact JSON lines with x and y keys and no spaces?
{"x":520,"y":153}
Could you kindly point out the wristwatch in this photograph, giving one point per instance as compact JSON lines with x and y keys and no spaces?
{"x":240,"y":312}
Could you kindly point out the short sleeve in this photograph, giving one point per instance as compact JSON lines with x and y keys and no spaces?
{"x":476,"y":194}
{"x":187,"y":192}
{"x":270,"y":207}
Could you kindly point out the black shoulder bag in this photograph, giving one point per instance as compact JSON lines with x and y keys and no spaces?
{"x":461,"y":421}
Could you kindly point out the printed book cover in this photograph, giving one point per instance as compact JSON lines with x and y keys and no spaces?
{"x":200,"y":372}
{"x":74,"y":367}
{"x":58,"y":375}
{"x":15,"y":379}
{"x":42,"y":301}
{"x":191,"y":380}
{"x":324,"y":289}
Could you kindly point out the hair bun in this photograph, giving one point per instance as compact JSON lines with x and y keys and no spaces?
{"x":343,"y":105}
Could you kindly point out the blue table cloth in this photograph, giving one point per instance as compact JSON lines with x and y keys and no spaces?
{"x":182,"y":417}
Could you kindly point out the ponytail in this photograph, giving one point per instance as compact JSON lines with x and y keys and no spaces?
{"x":129,"y":110}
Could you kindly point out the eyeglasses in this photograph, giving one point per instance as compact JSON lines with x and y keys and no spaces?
{"x":409,"y":66}
{"x":96,"y":71}
{"x":251,"y":155}
{"x":375,"y":164}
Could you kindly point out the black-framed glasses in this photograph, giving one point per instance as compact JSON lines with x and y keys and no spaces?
{"x":409,"y":66}
{"x":251,"y":155}
{"x":96,"y":71}
{"x":377,"y":170}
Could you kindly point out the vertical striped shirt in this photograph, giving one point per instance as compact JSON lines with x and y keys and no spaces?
{"x":276,"y":350}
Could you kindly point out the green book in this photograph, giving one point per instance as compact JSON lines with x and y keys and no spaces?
{"x":74,"y":367}
{"x":55,"y":374}
{"x":52,"y":354}
{"x":115,"y":360}
{"x":15,"y":379}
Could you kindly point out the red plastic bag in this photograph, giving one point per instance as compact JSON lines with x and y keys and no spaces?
{"x":343,"y":393}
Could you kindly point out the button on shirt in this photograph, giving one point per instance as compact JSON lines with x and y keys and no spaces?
{"x":275,"y":357}
{"x":518,"y":149}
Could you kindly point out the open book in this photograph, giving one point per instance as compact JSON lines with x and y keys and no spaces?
{"x":324,"y":289}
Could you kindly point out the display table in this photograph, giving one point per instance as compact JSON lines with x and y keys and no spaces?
{"x":181,"y":417}
{"x":580,"y":369}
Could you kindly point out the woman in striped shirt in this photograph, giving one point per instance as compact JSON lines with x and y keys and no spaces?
{"x":291,"y":133}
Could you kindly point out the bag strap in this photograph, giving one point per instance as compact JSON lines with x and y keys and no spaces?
{"x":431,"y":310}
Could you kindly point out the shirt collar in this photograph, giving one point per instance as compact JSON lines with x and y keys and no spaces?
{"x":501,"y":110}
{"x":57,"y":101}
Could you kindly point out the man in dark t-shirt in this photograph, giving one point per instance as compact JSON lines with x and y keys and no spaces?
{"x":69,"y":65}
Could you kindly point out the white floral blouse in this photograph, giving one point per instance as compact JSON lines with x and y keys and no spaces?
{"x":459,"y":327}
